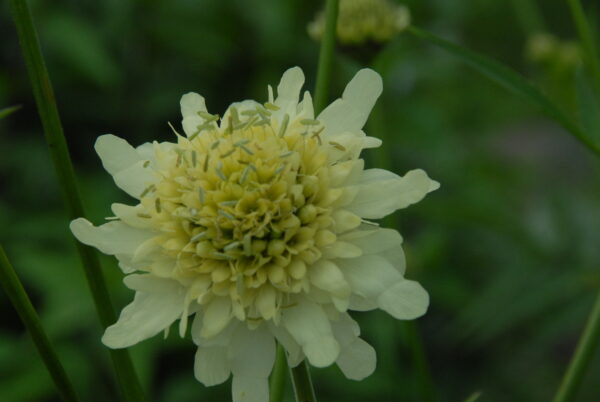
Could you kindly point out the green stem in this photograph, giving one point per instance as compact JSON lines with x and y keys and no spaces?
{"x":47,"y":109}
{"x":277,"y":383}
{"x":18,"y":297}
{"x":326,"y":55}
{"x":582,"y":356}
{"x":529,"y":16}
{"x":420,"y":364}
{"x":303,"y":389}
{"x":587,"y":40}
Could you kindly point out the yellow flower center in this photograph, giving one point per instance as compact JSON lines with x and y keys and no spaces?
{"x":245,"y":207}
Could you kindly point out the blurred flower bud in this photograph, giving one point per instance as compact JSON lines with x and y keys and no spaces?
{"x":360,"y":21}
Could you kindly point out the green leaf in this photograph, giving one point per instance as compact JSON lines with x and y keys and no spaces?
{"x":589,"y":107}
{"x":9,"y":110}
{"x":510,"y":80}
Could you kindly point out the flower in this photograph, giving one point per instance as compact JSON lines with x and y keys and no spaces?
{"x":255,"y":224}
{"x":362,"y":20}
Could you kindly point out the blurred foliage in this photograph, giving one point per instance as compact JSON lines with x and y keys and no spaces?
{"x":508,"y":247}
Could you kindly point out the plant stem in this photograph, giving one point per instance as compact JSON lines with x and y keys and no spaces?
{"x":277,"y":383}
{"x":47,"y":109}
{"x":592,"y":60}
{"x":21,"y":302}
{"x":421,"y":366}
{"x":326,"y":56}
{"x":582,"y":356}
{"x":303,"y":389}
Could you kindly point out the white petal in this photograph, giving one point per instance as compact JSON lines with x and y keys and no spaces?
{"x":357,"y":360}
{"x":369,"y":275}
{"x":146,"y":316}
{"x":242,"y":106}
{"x":211,"y":365}
{"x":216,"y":316}
{"x":309,"y":326}
{"x":345,"y":220}
{"x":305,"y":108}
{"x":116,"y":153}
{"x":252,"y":358}
{"x":350,"y":112}
{"x":385,"y":242}
{"x":382,"y":192}
{"x":111,"y":238}
{"x":130,"y":215}
{"x":149,"y":283}
{"x":135,"y":179}
{"x":252,"y":352}
{"x":224,"y":338}
{"x":342,"y":249}
{"x":293,"y":350}
{"x":327,"y":276}
{"x":192,"y":103}
{"x":404,"y":300}
{"x":359,"y":303}
{"x":265,"y":301}
{"x":288,"y":90}
{"x":250,"y":389}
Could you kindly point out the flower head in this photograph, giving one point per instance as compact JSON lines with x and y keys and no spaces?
{"x":360,"y":21}
{"x":254,"y":223}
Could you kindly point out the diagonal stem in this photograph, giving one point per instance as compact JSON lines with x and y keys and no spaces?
{"x":18,"y":297}
{"x":582,"y":357}
{"x":277,"y":383}
{"x":47,"y":109}
{"x":592,"y":60}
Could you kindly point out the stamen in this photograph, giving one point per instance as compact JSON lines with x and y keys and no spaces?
{"x":151,"y":187}
{"x":194,"y":158}
{"x":199,"y":236}
{"x":201,"y":195}
{"x":223,"y":255}
{"x":146,"y":164}
{"x":205,"y":167}
{"x":310,"y":122}
{"x":241,"y":142}
{"x":145,"y":216}
{"x":231,"y":203}
{"x":337,"y":145}
{"x":226,"y":214}
{"x":284,"y":124}
{"x":215,"y":144}
{"x":231,"y":246}
{"x":247,"y":245}
{"x":249,"y":152}
{"x":271,"y":106}
{"x":220,"y":172}
{"x":226,"y":154}
{"x":286,"y":154}
{"x":157,"y":205}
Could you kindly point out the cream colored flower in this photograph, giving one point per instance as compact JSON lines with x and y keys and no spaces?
{"x":363,"y":20}
{"x":254,"y":223}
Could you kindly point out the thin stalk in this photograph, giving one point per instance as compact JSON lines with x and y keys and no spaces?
{"x":47,"y":109}
{"x":277,"y":381}
{"x":529,"y":16}
{"x":21,"y":302}
{"x":420,"y":363}
{"x":303,"y":389}
{"x":591,"y":57}
{"x":582,"y":357}
{"x":326,"y":55}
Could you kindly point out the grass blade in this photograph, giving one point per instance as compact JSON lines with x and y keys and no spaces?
{"x":9,"y":110}
{"x":48,"y":111}
{"x":19,"y":299}
{"x":592,"y":61}
{"x":510,"y":80}
{"x":589,"y":107}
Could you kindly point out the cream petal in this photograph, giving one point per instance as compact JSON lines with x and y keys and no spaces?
{"x":249,"y":389}
{"x":385,"y":242}
{"x":266,"y":302}
{"x":288,"y":90}
{"x":357,"y":360}
{"x":305,"y":108}
{"x":309,"y":326}
{"x":242,"y":106}
{"x":146,"y":316}
{"x":350,"y":112}
{"x":252,"y":358}
{"x":382,"y":192}
{"x":211,"y":365}
{"x":342,"y":249}
{"x":327,"y":276}
{"x":216,"y":317}
{"x":224,"y":338}
{"x":135,"y":179}
{"x":293,"y":350}
{"x":404,"y":300}
{"x":130,"y":215}
{"x":359,"y":303}
{"x":345,"y":220}
{"x":192,"y":103}
{"x":369,"y":275}
{"x":116,"y":153}
{"x":149,"y":283}
{"x":111,"y":238}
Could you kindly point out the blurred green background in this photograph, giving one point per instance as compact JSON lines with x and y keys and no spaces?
{"x":508,"y":248}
